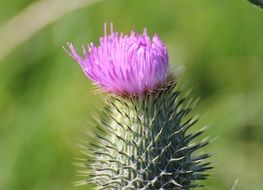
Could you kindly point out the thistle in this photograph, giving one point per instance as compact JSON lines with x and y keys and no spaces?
{"x":145,"y":141}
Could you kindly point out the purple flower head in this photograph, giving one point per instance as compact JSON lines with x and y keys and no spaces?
{"x":123,"y":64}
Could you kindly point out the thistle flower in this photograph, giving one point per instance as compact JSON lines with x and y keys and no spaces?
{"x":125,"y":64}
{"x":146,"y":143}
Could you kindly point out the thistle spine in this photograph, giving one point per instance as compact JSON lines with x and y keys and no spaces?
{"x":146,"y":144}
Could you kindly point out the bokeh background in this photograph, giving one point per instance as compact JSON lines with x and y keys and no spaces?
{"x":46,"y":102}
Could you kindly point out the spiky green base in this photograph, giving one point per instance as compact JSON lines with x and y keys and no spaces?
{"x":146,"y":145}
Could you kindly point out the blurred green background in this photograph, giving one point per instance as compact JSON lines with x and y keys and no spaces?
{"x":46,"y":102}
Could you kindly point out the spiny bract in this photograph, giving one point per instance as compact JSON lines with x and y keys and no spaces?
{"x":146,"y":145}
